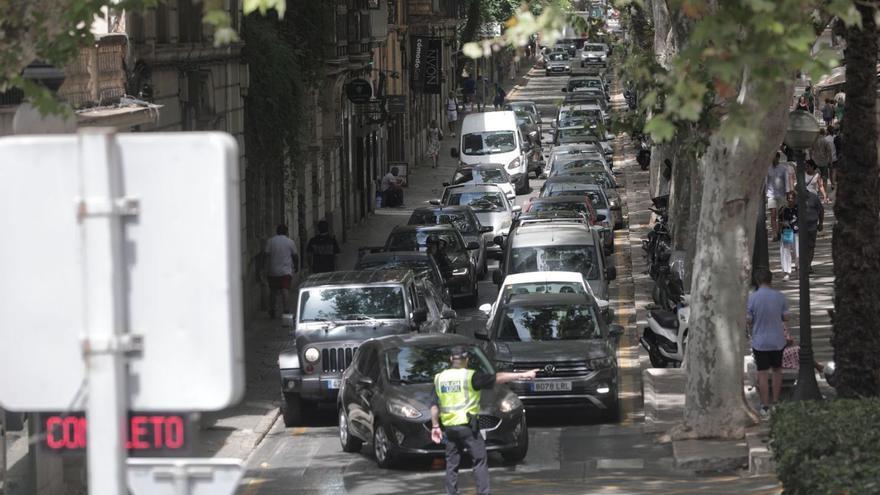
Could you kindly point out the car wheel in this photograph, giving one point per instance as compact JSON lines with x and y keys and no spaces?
{"x":518,"y":453}
{"x":523,"y":186}
{"x":612,"y":408}
{"x":291,"y":409}
{"x":349,"y":442}
{"x":474,"y":299}
{"x":382,"y":448}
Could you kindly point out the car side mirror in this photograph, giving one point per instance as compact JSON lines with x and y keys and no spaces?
{"x":485,"y":308}
{"x":445,"y":184}
{"x":499,"y":241}
{"x":472,"y":245}
{"x":600,"y":217}
{"x":449,"y":314}
{"x":615,"y":330}
{"x":481,"y":334}
{"x":435,"y":202}
{"x":610,"y":273}
{"x":486,"y":229}
{"x":419,"y":316}
{"x":516,"y":208}
{"x":454,"y":152}
{"x":496,"y":277}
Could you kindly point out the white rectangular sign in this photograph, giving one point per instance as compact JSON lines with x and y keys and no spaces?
{"x":183,"y":252}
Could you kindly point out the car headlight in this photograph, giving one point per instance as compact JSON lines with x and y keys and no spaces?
{"x":612,"y":203}
{"x":403,"y":410}
{"x":603,"y":57}
{"x":312,"y":355}
{"x":600,"y":363}
{"x":514,"y":164}
{"x":459,"y":272}
{"x":511,"y":403}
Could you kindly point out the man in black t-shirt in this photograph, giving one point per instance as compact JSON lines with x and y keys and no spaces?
{"x":322,"y":249}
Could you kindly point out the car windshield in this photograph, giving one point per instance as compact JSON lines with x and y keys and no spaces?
{"x":492,"y":176}
{"x":527,"y":324}
{"x":558,"y":206}
{"x":351,"y":303}
{"x":419,"y":267}
{"x":584,"y":83}
{"x":574,"y":135}
{"x":590,"y":175}
{"x":458,"y":219}
{"x":416,"y":240}
{"x":572,"y":258}
{"x":411,"y":364}
{"x":594,"y":48}
{"x":580,"y":163}
{"x":586,"y":189}
{"x":558,"y":57}
{"x":478,"y":200}
{"x":542,"y":288}
{"x":489,"y":142}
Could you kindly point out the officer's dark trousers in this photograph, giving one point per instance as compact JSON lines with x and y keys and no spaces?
{"x":459,"y":438}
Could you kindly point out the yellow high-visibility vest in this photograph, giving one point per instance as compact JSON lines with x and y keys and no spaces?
{"x":457,"y":396}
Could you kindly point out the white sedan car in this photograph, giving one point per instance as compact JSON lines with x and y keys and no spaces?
{"x":545,"y":283}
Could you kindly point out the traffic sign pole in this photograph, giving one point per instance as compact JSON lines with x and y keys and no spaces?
{"x":104,"y":287}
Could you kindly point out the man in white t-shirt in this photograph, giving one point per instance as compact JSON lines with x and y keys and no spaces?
{"x":281,"y":264}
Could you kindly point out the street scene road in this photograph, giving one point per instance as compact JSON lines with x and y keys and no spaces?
{"x":445,"y":246}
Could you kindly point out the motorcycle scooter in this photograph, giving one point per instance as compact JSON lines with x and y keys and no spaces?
{"x":665,"y":337}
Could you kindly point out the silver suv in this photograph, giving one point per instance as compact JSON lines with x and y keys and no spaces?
{"x":337,"y":311}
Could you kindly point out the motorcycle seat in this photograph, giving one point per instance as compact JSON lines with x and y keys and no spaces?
{"x":666,"y":319}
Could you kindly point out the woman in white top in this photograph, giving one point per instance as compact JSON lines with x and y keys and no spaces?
{"x":435,"y":135}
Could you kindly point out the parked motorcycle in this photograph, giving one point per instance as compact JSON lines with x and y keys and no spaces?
{"x":643,"y":158}
{"x":665,"y":337}
{"x":658,"y":245}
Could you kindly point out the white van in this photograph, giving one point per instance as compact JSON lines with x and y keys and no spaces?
{"x":494,"y":137}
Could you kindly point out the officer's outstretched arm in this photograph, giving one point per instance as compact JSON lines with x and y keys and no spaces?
{"x":507,"y":377}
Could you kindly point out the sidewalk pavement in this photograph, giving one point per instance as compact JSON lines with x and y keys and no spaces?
{"x":664,"y":388}
{"x":236,"y":431}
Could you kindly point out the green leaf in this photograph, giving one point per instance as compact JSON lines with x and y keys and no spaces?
{"x":660,"y":129}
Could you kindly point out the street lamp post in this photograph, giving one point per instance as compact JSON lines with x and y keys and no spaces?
{"x":803,"y":129}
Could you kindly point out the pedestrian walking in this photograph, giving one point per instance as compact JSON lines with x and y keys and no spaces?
{"x":811,"y":100}
{"x":392,"y":188}
{"x":435,"y":135}
{"x":777,"y":188}
{"x":789,"y":245}
{"x":766,"y":313}
{"x":830,"y":137}
{"x":500,"y":94}
{"x":281,"y":263}
{"x":828,"y":112}
{"x":813,"y":181}
{"x":451,"y":112}
{"x":840,"y":103}
{"x":454,"y":411}
{"x":322,"y":249}
{"x":821,"y":154}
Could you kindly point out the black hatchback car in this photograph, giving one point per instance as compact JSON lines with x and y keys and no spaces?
{"x":457,"y":262}
{"x":385,"y":399}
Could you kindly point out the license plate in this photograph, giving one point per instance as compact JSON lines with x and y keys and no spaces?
{"x":551,"y":387}
{"x":332,"y":384}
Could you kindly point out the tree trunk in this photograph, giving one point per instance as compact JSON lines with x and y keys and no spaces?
{"x":714,"y":401}
{"x":696,"y":203}
{"x":856,"y":340}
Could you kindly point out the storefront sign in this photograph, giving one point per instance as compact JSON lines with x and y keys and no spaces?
{"x":359,"y":91}
{"x":427,"y":64}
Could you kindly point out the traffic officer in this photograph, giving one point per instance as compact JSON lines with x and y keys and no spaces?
{"x":456,"y":406}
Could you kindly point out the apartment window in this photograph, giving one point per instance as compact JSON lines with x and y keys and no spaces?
{"x":189,"y":18}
